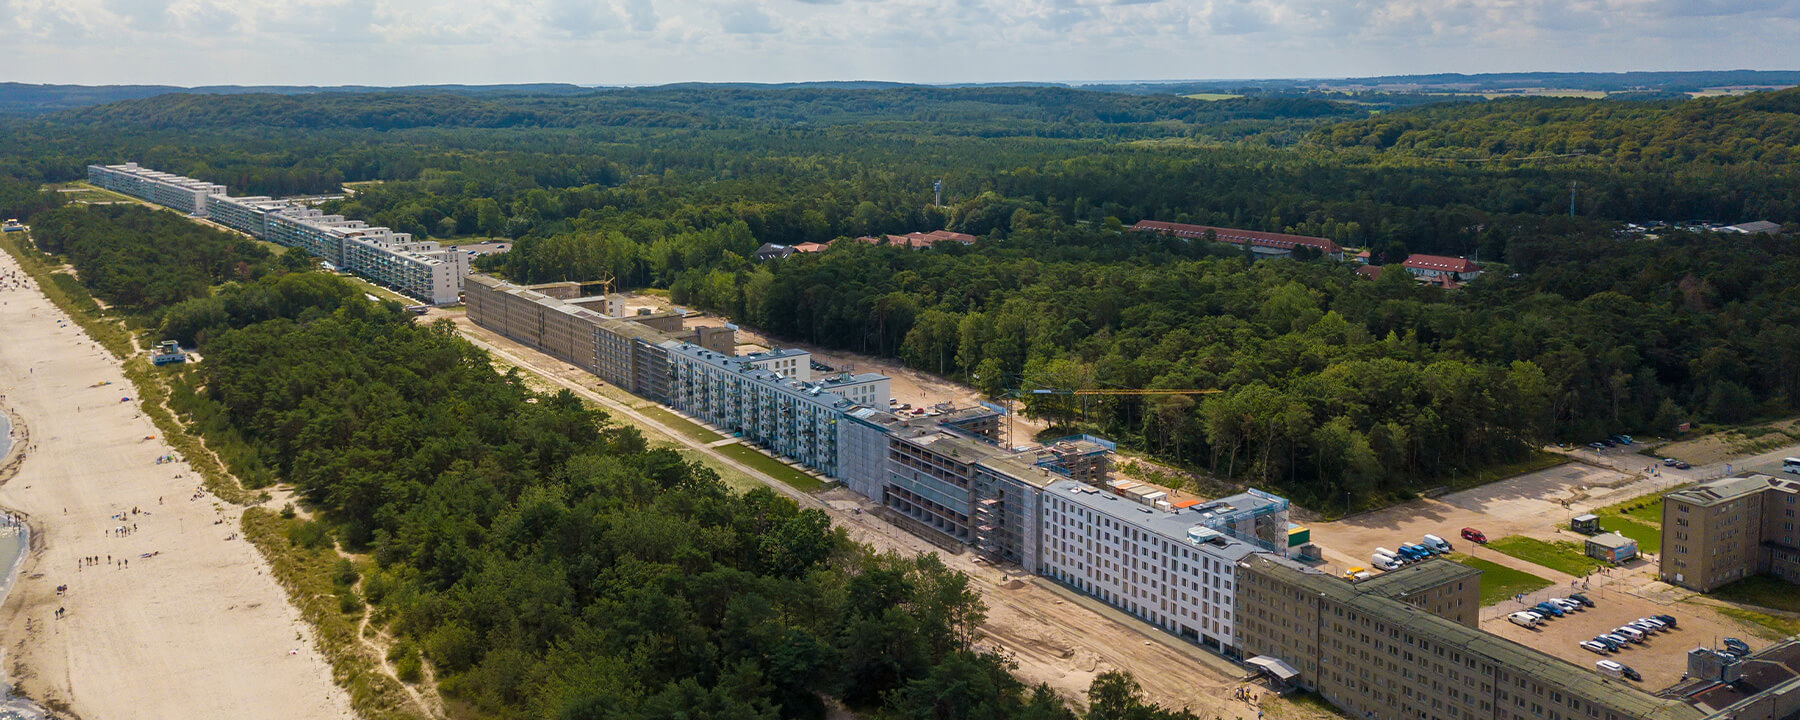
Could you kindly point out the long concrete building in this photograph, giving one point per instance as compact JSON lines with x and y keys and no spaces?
{"x":1404,"y":646}
{"x":420,"y":269}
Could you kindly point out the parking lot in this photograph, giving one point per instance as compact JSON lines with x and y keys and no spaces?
{"x":1661,"y":658}
{"x":1531,"y":504}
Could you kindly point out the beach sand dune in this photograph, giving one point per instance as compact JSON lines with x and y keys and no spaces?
{"x":176,"y":618}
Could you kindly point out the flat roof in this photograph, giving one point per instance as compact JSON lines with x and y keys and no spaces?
{"x":1417,"y":577}
{"x":1723,"y":489}
{"x":1179,"y":525}
{"x":1548,"y":670}
{"x":1612,"y":540}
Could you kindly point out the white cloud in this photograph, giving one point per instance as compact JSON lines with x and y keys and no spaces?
{"x":652,"y":41}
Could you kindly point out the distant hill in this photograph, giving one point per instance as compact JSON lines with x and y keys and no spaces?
{"x":25,"y":99}
{"x":1641,"y":83}
{"x":1381,"y":91}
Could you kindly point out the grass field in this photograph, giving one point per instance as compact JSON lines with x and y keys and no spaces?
{"x":1562,"y":555}
{"x":1766,"y":626}
{"x":1646,"y":509}
{"x":1649,"y":539}
{"x":772,"y":467}
{"x":1762,"y":591}
{"x":1499,"y":582}
{"x":681,"y":424}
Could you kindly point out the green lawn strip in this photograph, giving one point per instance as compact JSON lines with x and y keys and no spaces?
{"x":1761,"y":591}
{"x":1649,"y":539}
{"x":1561,"y":555}
{"x":681,"y":424}
{"x":1646,"y":509}
{"x":1763,"y":625}
{"x":772,"y":467}
{"x":1500,"y":583}
{"x":306,"y":573}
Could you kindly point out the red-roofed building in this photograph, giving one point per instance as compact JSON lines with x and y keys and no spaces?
{"x":809,"y":247}
{"x":1432,"y":267}
{"x":1372,"y":272}
{"x":1264,"y":244}
{"x":916,"y":240}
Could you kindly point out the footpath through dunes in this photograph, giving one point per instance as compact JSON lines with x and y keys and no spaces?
{"x":167,"y":613}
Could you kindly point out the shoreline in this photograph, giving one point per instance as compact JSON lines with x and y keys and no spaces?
{"x":166,"y":611}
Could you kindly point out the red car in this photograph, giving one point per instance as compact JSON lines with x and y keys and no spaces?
{"x":1473,"y":535}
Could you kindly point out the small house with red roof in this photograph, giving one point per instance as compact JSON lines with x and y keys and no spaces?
{"x":1437,"y":268}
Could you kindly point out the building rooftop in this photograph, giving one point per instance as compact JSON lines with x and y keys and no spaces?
{"x":1439,"y":262}
{"x":1723,"y":489}
{"x":1549,"y":671}
{"x":1417,"y":577}
{"x":1235,"y":235}
{"x":1180,"y":525}
{"x":1612,"y":541}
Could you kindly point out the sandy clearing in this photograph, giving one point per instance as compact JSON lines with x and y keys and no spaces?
{"x":200,"y":630}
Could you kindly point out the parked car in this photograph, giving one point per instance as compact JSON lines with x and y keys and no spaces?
{"x":1474,"y":536}
{"x":1549,"y":608}
{"x":1648,"y":628}
{"x":1523,"y":619}
{"x":1682,"y":465}
{"x":1614,"y":640}
{"x":1595,"y":647}
{"x":1567,"y":604}
{"x":1668,"y":619}
{"x":1670,"y":462}
{"x":1653,"y":622}
{"x":1580,"y":598}
{"x":1437,"y":543}
{"x":1608,"y":442}
{"x":1597,"y":446}
{"x":1611,"y":668}
{"x":1630,"y":633}
{"x":1414,"y":552}
{"x":1736,"y":647}
{"x":1626,"y":439}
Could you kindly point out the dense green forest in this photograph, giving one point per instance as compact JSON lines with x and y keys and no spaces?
{"x":1344,"y":390}
{"x":547,"y":562}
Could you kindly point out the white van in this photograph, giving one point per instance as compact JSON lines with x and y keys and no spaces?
{"x":1610,"y":669}
{"x":1523,"y":619}
{"x":1384,"y":562}
{"x":1437,"y":543}
{"x":1390,"y":553}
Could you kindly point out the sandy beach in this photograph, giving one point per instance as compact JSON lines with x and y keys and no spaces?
{"x":167,"y":612}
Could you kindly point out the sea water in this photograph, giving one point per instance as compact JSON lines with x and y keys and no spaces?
{"x":14,"y":539}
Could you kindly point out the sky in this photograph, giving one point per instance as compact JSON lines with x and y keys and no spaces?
{"x":636,"y":42}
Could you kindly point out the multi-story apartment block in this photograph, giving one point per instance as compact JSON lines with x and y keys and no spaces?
{"x":181,"y":193}
{"x":744,"y":395}
{"x":1728,"y":529}
{"x":1169,"y":567}
{"x":420,"y":269}
{"x":623,"y":353}
{"x":1375,"y":653}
